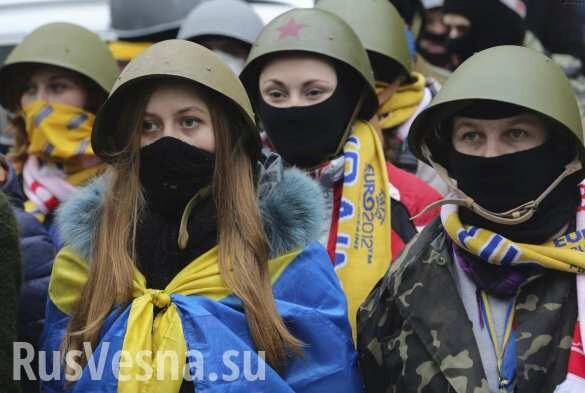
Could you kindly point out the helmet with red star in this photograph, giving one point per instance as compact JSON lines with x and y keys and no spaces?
{"x":313,"y":31}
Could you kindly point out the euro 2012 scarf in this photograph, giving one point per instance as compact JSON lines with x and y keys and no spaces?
{"x":564,"y":254}
{"x":60,"y":155}
{"x":362,"y":251}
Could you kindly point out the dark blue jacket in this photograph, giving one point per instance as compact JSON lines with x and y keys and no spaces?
{"x":38,"y":252}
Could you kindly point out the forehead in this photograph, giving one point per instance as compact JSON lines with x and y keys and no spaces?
{"x":527,"y":118}
{"x":456,"y":20}
{"x":294,"y":67}
{"x":175,"y":93}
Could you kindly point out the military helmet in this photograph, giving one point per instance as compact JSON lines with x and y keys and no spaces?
{"x":59,"y":44}
{"x":313,"y":31}
{"x":176,"y":59}
{"x":139,"y":18}
{"x":380,"y":28}
{"x":507,"y":74}
{"x":227,"y":18}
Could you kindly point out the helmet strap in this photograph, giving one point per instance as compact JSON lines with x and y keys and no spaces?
{"x":183,"y":238}
{"x":515,"y":216}
{"x":349,"y":127}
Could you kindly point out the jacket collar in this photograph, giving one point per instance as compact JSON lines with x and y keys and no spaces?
{"x":444,"y":329}
{"x":291,"y":206}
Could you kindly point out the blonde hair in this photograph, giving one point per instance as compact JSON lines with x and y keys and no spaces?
{"x":243,"y":248}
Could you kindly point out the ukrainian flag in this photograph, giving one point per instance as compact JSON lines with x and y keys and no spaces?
{"x":199,"y":320}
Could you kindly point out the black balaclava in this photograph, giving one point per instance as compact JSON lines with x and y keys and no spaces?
{"x":438,"y":59}
{"x":508,"y":181}
{"x":492,"y":24}
{"x":306,"y":136}
{"x":442,"y":60}
{"x":172,"y":172}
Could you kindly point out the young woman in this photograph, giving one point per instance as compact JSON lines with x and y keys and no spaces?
{"x":53,"y":82}
{"x":488,"y":299}
{"x":313,"y":88}
{"x":188,"y":247}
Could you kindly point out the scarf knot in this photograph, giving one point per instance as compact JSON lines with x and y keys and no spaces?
{"x":159,"y":298}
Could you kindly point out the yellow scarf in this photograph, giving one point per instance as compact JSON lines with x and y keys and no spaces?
{"x":58,"y":132}
{"x":403,"y":104}
{"x":362,"y":252}
{"x":126,"y":50}
{"x":60,"y":135}
{"x":145,"y":331}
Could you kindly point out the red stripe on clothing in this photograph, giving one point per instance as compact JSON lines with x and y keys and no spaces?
{"x":332,"y":242}
{"x":34,"y":186}
{"x":577,"y":358}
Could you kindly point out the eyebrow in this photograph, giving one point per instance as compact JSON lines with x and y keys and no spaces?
{"x":462,"y":123}
{"x":281,"y":84}
{"x":275,"y":81}
{"x":515,"y":120}
{"x":60,"y":76}
{"x":523,"y":119}
{"x":193,"y":108}
{"x":316,"y":80}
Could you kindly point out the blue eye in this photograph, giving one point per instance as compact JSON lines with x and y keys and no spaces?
{"x":190,"y":122}
{"x":276,"y":94}
{"x":471,"y":136}
{"x":30,"y":89}
{"x":149,"y":126}
{"x":517,"y":133}
{"x":58,"y":87}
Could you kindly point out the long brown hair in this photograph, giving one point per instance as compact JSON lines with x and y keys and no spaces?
{"x":243,"y":248}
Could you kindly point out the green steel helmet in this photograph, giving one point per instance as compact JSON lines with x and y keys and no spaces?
{"x":382,"y":31}
{"x":315,"y":31}
{"x":171,"y":59}
{"x":507,"y":74}
{"x":59,"y":44}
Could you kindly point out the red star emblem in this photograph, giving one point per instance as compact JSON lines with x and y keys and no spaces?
{"x":291,"y":29}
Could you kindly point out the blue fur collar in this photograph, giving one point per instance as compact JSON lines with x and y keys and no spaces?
{"x":291,"y":205}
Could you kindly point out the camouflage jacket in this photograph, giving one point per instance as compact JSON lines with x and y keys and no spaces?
{"x":414,"y":334}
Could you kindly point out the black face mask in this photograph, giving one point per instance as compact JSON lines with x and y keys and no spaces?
{"x":172,"y":172}
{"x":307,"y":136}
{"x":505,"y":182}
{"x":463,"y":47}
{"x":438,"y":59}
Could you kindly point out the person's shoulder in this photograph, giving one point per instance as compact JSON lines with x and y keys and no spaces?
{"x":291,"y":205}
{"x":7,"y":220}
{"x":78,"y":218}
{"x":310,"y":265}
{"x":408,"y":263}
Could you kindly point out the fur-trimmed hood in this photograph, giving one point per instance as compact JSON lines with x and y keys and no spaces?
{"x":291,"y":205}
